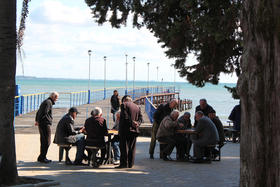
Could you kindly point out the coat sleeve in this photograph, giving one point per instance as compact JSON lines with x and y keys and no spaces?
{"x":69,"y":127}
{"x":157,"y":113}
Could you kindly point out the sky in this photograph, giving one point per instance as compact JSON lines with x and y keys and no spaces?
{"x":59,"y":34}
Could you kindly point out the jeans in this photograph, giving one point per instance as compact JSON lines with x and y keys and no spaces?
{"x":153,"y":138}
{"x":116,"y":149}
{"x":80,"y":143}
{"x":114,"y":111}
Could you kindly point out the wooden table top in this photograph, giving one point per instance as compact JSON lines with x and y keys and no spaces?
{"x":186,"y":131}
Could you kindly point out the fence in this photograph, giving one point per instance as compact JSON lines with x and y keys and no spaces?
{"x":31,"y":102}
{"x":150,"y":109}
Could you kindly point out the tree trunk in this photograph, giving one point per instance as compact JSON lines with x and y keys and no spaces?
{"x":8,"y":169}
{"x":259,"y":88}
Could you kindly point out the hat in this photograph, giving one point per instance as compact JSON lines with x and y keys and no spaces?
{"x":73,"y":109}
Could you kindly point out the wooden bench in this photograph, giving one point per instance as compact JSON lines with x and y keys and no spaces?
{"x":162,"y":146}
{"x":93,"y":158}
{"x":65,"y":147}
{"x":210,"y":149}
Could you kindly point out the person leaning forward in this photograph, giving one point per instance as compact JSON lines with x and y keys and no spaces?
{"x":207,"y":134}
{"x":166,"y":133}
{"x":162,"y":111}
{"x":66,"y":134}
{"x":44,"y":121}
{"x":130,"y":120}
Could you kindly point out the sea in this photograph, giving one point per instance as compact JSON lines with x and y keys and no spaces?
{"x":216,"y":95}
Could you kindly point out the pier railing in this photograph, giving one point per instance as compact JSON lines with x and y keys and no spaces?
{"x":31,"y":102}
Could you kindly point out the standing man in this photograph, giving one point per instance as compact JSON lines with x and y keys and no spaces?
{"x":162,"y":111}
{"x":203,"y":107}
{"x":66,"y":134}
{"x":115,"y":103}
{"x":44,"y":121}
{"x":130,"y":120}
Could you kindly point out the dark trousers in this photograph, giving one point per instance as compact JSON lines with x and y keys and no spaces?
{"x":45,"y":140}
{"x":127,"y":149}
{"x":153,"y":138}
{"x":173,"y":141}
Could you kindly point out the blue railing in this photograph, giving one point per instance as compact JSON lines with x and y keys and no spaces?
{"x":150,"y":109}
{"x":31,"y":102}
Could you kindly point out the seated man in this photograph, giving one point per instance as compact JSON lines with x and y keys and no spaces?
{"x":65,"y":134}
{"x":186,"y":124}
{"x":96,"y":128}
{"x":207,"y":134}
{"x":166,"y":133}
{"x":215,"y":119}
{"x":235,"y":116}
{"x":116,"y":140}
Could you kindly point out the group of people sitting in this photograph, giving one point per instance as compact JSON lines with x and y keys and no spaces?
{"x":95,"y":129}
{"x":208,"y":130}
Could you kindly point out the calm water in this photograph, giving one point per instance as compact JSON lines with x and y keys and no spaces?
{"x":217,"y":96}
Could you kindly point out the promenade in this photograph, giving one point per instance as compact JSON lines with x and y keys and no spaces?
{"x":146,"y":172}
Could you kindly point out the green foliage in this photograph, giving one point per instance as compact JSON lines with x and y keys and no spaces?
{"x":233,"y":92}
{"x":207,"y":28}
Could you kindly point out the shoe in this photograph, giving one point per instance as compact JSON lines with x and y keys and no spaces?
{"x":167,"y":158}
{"x":79,"y":164}
{"x":68,"y":162}
{"x":121,"y":167}
{"x":46,"y":161}
{"x":117,"y":162}
{"x":85,"y":157}
{"x":130,"y":166}
{"x":151,"y":156}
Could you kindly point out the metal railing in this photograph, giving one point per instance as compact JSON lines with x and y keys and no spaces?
{"x":31,"y":102}
{"x":150,"y":109}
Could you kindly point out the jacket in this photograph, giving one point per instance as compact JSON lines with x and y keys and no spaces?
{"x":96,"y":129}
{"x":207,"y":132}
{"x":115,"y":103}
{"x":44,"y":114}
{"x":220,"y":129}
{"x":167,"y":127}
{"x":130,"y":118}
{"x":162,"y":111}
{"x":65,"y":133}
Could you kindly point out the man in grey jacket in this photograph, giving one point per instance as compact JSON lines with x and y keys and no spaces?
{"x":206,"y":134}
{"x":166,"y":133}
{"x":66,"y":134}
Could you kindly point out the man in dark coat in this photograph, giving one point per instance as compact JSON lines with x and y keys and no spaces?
{"x":66,"y":134}
{"x":96,"y":130}
{"x":235,"y":116}
{"x":203,"y":107}
{"x":207,"y":134}
{"x":44,"y":121}
{"x":115,"y":103}
{"x":186,"y":121}
{"x":130,"y":120}
{"x":162,"y":111}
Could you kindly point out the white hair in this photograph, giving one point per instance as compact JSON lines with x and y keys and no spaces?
{"x":97,"y":111}
{"x":53,"y":94}
{"x":174,"y":112}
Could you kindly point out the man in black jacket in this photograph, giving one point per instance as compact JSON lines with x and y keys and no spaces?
{"x":44,"y":121}
{"x":66,"y":134}
{"x":115,"y":103}
{"x":203,"y":107}
{"x":162,"y":111}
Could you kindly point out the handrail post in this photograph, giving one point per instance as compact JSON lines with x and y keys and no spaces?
{"x":104,"y":94}
{"x":88,"y":97}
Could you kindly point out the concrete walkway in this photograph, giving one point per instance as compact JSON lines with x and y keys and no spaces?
{"x":146,"y":172}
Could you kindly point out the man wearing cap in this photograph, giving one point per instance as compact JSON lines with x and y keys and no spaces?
{"x":66,"y":134}
{"x":44,"y":121}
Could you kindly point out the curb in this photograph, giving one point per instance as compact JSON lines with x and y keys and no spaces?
{"x":42,"y":184}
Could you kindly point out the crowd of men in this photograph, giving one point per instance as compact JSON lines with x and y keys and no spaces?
{"x":127,"y":117}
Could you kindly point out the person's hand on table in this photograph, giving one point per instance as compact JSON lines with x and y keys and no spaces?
{"x":36,"y":123}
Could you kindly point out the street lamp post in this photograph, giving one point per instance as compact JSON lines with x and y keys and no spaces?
{"x":133,"y":77}
{"x":105,"y":77}
{"x":89,"y":58}
{"x":157,"y":73}
{"x":148,"y":79}
{"x":125,"y":74}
